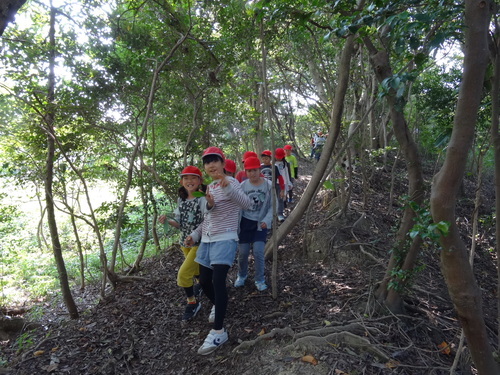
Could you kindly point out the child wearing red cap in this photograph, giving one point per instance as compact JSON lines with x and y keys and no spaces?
{"x":267,"y":172}
{"x":241,"y":175}
{"x":255,"y":223}
{"x":294,"y":169}
{"x":219,"y":236}
{"x":230,"y":168}
{"x":188,"y":216}
{"x":284,"y":169}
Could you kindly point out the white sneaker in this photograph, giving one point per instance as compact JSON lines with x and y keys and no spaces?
{"x":211,"y":317}
{"x":281,"y":218}
{"x":212,"y":342}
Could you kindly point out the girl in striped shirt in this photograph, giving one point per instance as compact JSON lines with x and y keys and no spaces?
{"x":219,"y":236}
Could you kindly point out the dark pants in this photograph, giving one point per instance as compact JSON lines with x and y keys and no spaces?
{"x":213,"y":283}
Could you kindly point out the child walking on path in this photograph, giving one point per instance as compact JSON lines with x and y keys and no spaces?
{"x":267,"y":172}
{"x":219,"y":236}
{"x":294,"y":169}
{"x":188,"y":216}
{"x":284,"y":168}
{"x":255,"y":223}
{"x":241,"y":175}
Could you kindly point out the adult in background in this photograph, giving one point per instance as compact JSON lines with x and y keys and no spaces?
{"x":319,"y":142}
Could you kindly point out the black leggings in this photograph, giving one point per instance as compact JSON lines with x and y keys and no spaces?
{"x":213,"y":282}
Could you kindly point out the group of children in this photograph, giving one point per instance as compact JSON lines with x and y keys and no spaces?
{"x":213,"y":219}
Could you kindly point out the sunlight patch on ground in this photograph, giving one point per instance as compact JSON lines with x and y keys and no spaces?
{"x":15,"y":296}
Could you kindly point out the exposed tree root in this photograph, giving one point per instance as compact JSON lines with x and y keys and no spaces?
{"x":308,"y":343}
{"x":245,"y":345}
{"x":327,"y":336}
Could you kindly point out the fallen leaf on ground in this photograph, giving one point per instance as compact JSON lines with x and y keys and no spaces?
{"x":391,"y":364}
{"x":445,"y":348}
{"x":309,"y":359}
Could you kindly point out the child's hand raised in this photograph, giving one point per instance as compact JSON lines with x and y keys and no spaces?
{"x":223,"y":180}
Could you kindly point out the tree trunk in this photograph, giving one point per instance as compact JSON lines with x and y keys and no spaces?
{"x":149,"y":106}
{"x":336,"y":122}
{"x":463,"y":289}
{"x":49,"y":176}
{"x":144,"y":197}
{"x":267,"y":109}
{"x":391,"y":297}
{"x":154,"y":220}
{"x":8,"y":10}
{"x":495,"y":113}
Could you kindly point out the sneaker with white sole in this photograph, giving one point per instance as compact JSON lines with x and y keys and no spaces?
{"x":260,"y":285}
{"x":191,"y":310}
{"x":240,"y":281}
{"x":211,"y":317}
{"x":212,"y":342}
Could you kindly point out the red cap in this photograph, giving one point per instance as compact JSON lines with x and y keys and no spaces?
{"x":248,"y":154}
{"x":213,"y":151}
{"x":279,"y":153}
{"x":266,"y":153}
{"x":230,"y":166}
{"x":191,"y":171}
{"x":251,"y":163}
{"x":287,"y":147}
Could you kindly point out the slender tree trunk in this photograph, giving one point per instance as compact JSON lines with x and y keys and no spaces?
{"x":391,"y":297}
{"x":154,"y":219}
{"x":197,"y":105}
{"x":49,"y":176}
{"x":79,"y":249}
{"x":463,"y":289}
{"x":149,"y":107}
{"x":145,"y":236}
{"x":495,"y":136}
{"x":374,"y":144}
{"x":267,"y":108}
{"x":336,"y":123}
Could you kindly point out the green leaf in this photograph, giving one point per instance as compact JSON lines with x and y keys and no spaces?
{"x":438,"y":39}
{"x":395,"y":83}
{"x":443,"y":228}
{"x":198,"y":194}
{"x":400,"y":91}
{"x":328,"y":185}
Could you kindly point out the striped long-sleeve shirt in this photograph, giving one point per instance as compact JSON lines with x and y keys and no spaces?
{"x":222,"y":221}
